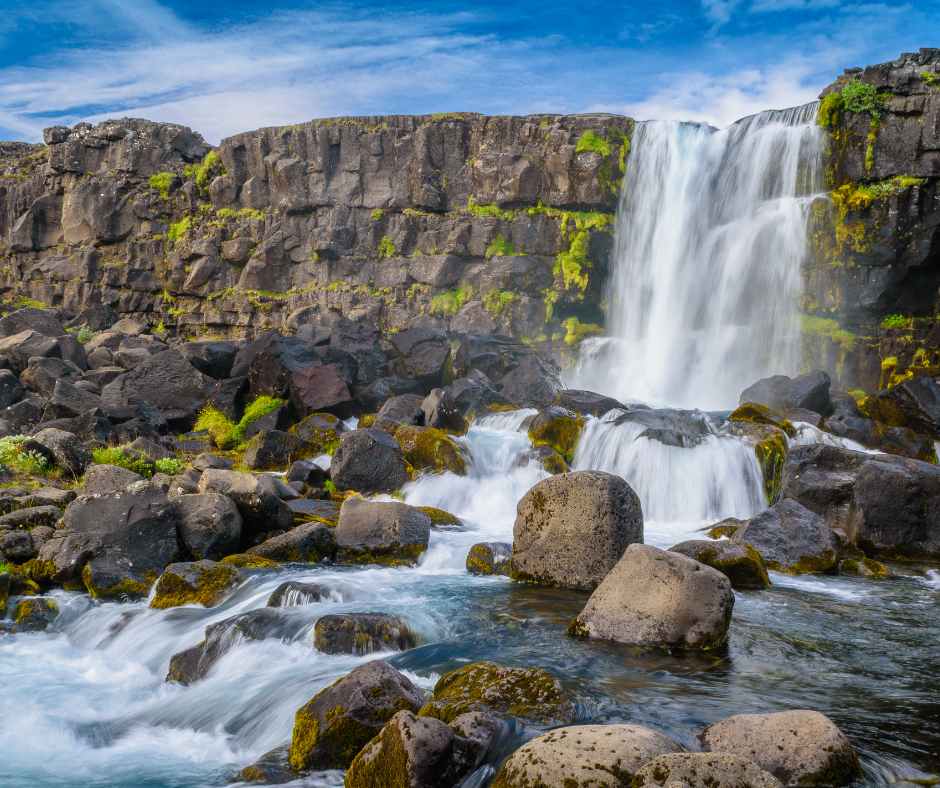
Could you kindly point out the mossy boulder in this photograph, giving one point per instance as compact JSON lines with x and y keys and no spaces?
{"x":362,"y":633}
{"x":272,"y":768}
{"x":703,"y":770}
{"x":771,"y":447}
{"x":864,"y":567}
{"x":441,"y":518}
{"x":319,"y":432}
{"x":308,"y":543}
{"x":790,"y":538}
{"x":742,"y":564}
{"x":430,"y":449}
{"x":490,"y":558}
{"x":755,"y":413}
{"x":271,"y":450}
{"x":35,"y":613}
{"x":381,"y":532}
{"x":204,"y":583}
{"x":249,"y":561}
{"x":331,"y":728}
{"x":529,"y":693}
{"x":584,"y":755}
{"x":559,"y":429}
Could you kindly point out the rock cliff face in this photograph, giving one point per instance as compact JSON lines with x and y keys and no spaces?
{"x":871,"y":283}
{"x":462,"y":222}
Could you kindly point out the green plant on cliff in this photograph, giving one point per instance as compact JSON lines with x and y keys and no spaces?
{"x":576,"y":331}
{"x":377,"y":214}
{"x":386,"y":248}
{"x":491,"y":211}
{"x":590,"y":142}
{"x":227,"y":434}
{"x":496,"y":302}
{"x":897,"y":321}
{"x":826,"y":327}
{"x":161,"y":182}
{"x":571,"y":265}
{"x":855,"y":96}
{"x":500,"y":246}
{"x":203,"y":173}
{"x":930,"y":78}
{"x":177,"y":231}
{"x":450,"y":302}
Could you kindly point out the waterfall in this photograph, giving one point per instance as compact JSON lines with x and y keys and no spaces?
{"x":710,"y":236}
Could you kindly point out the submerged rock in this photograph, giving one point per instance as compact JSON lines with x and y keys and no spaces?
{"x":595,"y":755}
{"x":529,"y":693}
{"x":34,"y":614}
{"x":381,"y":532}
{"x":331,"y":728}
{"x":799,"y":747}
{"x":703,"y":770}
{"x":571,"y":529}
{"x":656,"y":599}
{"x":742,"y":564}
{"x":203,"y":583}
{"x":362,"y":633}
{"x":295,"y":594}
{"x":490,"y":558}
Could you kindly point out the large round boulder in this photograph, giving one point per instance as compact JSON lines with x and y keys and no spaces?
{"x":368,"y":460}
{"x":382,"y":532}
{"x":742,"y":564}
{"x":256,"y":497}
{"x":595,"y":755}
{"x":571,"y":529}
{"x":210,"y":525}
{"x":799,"y":747}
{"x":654,"y":598}
{"x":703,"y":770}
{"x":331,"y":728}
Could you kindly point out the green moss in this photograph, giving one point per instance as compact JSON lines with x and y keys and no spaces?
{"x":558,"y":432}
{"x":127,"y":588}
{"x":576,"y":331}
{"x":27,"y":609}
{"x":855,"y":96}
{"x":754,"y":413}
{"x":496,"y":302}
{"x":930,"y":78}
{"x":249,"y":561}
{"x":211,"y":586}
{"x":572,"y":265}
{"x":590,"y":142}
{"x":203,"y":173}
{"x":825,"y":327}
{"x":161,"y":182}
{"x":241,"y":213}
{"x":501,"y":247}
{"x":451,"y":301}
{"x":402,"y":555}
{"x":16,"y":457}
{"x":430,"y":449}
{"x":124,"y":457}
{"x":772,"y":456}
{"x":897,"y":321}
{"x":225,"y":433}
{"x":377,"y":214}
{"x":386,"y":248}
{"x":440,"y":517}
{"x":490,"y":211}
{"x":178,"y":231}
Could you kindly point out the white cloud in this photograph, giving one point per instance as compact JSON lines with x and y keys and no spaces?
{"x":762,"y":6}
{"x":719,"y":11}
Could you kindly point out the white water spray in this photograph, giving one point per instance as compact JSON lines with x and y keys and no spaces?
{"x":710,"y":236}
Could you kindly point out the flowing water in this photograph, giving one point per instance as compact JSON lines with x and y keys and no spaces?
{"x":710,"y":235}
{"x":708,"y":242}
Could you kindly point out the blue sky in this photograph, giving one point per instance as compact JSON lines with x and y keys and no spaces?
{"x":224,"y":67}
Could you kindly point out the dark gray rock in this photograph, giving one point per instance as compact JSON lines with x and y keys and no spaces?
{"x":778,"y":392}
{"x":210,"y":525}
{"x":296,"y":594}
{"x":64,"y":449}
{"x":307,"y":543}
{"x":742,"y":564}
{"x":255,"y":496}
{"x":381,"y":532}
{"x":362,"y":633}
{"x":790,"y":538}
{"x":272,"y":450}
{"x":368,"y":460}
{"x":102,"y":479}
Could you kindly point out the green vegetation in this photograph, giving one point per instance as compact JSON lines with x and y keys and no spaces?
{"x":5,"y":568}
{"x":930,"y":78}
{"x":25,"y":302}
{"x":178,"y":230}
{"x":83,"y":334}
{"x":576,"y":331}
{"x":161,"y":182}
{"x":203,"y":173}
{"x":386,"y":248}
{"x":450,"y":302}
{"x":570,"y":265}
{"x":496,"y":302}
{"x":377,"y":214}
{"x":855,"y":96}
{"x":589,"y":142}
{"x":125,"y":457}
{"x":897,"y":321}
{"x":492,"y":211}
{"x":501,"y":247}
{"x":225,"y":433}
{"x":824,"y":327}
{"x":240,"y":213}
{"x":15,"y":456}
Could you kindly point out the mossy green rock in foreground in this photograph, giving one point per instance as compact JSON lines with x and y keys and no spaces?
{"x":529,"y":693}
{"x":331,"y":729}
{"x":559,"y":429}
{"x":35,"y":614}
{"x":203,"y":583}
{"x":430,"y":449}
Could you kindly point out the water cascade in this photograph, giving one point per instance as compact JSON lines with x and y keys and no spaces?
{"x":710,"y":236}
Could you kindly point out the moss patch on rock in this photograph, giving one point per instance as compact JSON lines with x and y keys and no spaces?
{"x":206,"y":583}
{"x":755,"y":413}
{"x":430,"y":449}
{"x":558,"y":431}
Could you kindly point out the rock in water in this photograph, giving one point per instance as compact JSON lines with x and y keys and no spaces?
{"x":704,"y":770}
{"x":808,"y":392}
{"x":656,"y":599}
{"x":34,"y":614}
{"x":331,"y":729}
{"x":381,"y":532}
{"x":203,"y":583}
{"x":742,"y":564}
{"x":790,"y":538}
{"x":362,"y":633}
{"x":595,"y":755}
{"x":572,"y":529}
{"x":799,"y":747}
{"x":489,"y":558}
{"x":294,"y":594}
{"x":368,"y":460}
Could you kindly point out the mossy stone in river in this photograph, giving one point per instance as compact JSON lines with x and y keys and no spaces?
{"x":703,"y":770}
{"x":249,"y":561}
{"x":35,"y":614}
{"x":203,"y":583}
{"x":430,"y":449}
{"x":489,"y":558}
{"x":864,"y":567}
{"x":331,"y":729}
{"x":441,"y":518}
{"x":529,"y":693}
{"x":772,"y":454}
{"x":362,"y":633}
{"x":4,"y":592}
{"x":559,"y":429}
{"x":742,"y":564}
{"x":755,"y":413}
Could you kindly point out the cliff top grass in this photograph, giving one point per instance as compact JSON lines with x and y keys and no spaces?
{"x":855,"y":96}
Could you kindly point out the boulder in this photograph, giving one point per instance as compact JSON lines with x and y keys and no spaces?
{"x":431,"y":449}
{"x":319,"y":432}
{"x":308,"y":543}
{"x":595,"y":755}
{"x":790,"y":539}
{"x":779,"y":392}
{"x":382,"y":532}
{"x":64,"y":449}
{"x":17,"y":349}
{"x":587,"y":403}
{"x":558,"y":429}
{"x":17,"y":546}
{"x":307,"y":472}
{"x":423,"y":355}
{"x":440,"y":411}
{"x":656,"y":599}
{"x":331,"y":728}
{"x":255,"y":496}
{"x":43,"y":321}
{"x":490,"y":558}
{"x":115,"y":543}
{"x":403,"y":409}
{"x":529,"y":693}
{"x":320,"y":388}
{"x":362,"y":633}
{"x":798,"y":747}
{"x":34,"y":614}
{"x":5,"y":585}
{"x":272,"y":768}
{"x":68,"y":401}
{"x":210,"y":525}
{"x":742,"y":564}
{"x":30,"y":517}
{"x":703,"y":770}
{"x":204,"y":583}
{"x":682,"y":429}
{"x":11,"y":390}
{"x":368,"y":460}
{"x":272,"y":450}
{"x":571,"y":529}
{"x":418,"y":752}
{"x":914,"y":404}
{"x":295,"y":594}
{"x":474,"y":394}
{"x":212,"y":358}
{"x":102,"y":479}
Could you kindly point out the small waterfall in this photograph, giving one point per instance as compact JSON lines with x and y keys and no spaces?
{"x":710,"y":236}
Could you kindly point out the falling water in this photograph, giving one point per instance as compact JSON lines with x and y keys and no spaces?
{"x":710,"y":236}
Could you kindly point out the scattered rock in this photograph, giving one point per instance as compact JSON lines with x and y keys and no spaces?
{"x":381,"y":532}
{"x":430,"y":449}
{"x":799,"y":747}
{"x":368,"y":460}
{"x":103,"y":479}
{"x":65,"y":449}
{"x":558,"y":429}
{"x":742,"y":564}
{"x":34,"y":614}
{"x":255,"y":496}
{"x":778,"y":392}
{"x":204,"y":583}
{"x":656,"y":599}
{"x":210,"y":525}
{"x":790,"y":538}
{"x":362,"y":633}
{"x":440,"y":411}
{"x":272,"y":450}
{"x":490,"y":558}
{"x":295,"y":594}
{"x":572,"y":529}
{"x":308,"y":543}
